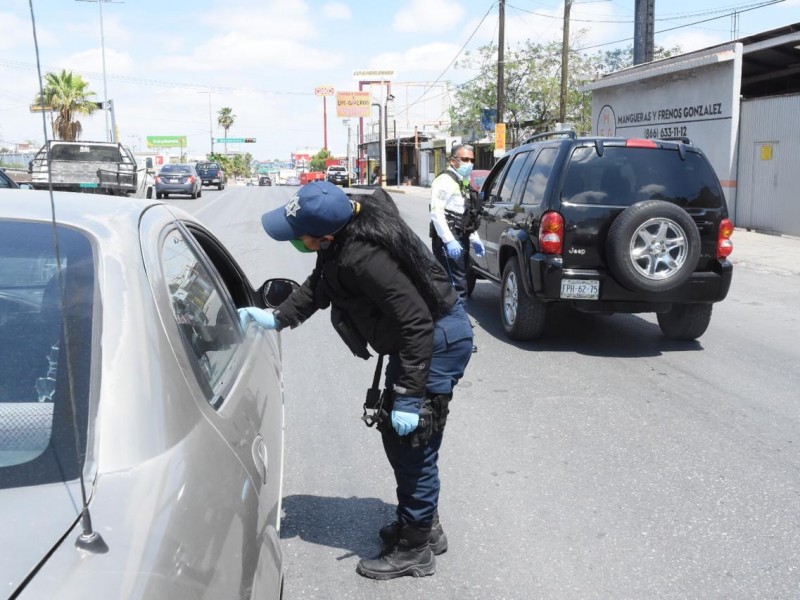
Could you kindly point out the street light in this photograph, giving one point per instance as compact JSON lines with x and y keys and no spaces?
{"x":381,"y":143}
{"x":210,"y":121}
{"x":109,"y":134}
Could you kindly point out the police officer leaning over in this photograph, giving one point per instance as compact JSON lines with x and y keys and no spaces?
{"x":385,"y":290}
{"x":454,"y":218}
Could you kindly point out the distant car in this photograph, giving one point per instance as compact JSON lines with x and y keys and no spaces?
{"x":292,"y":180}
{"x":178,"y":179}
{"x":264,"y":180}
{"x":337,"y":175}
{"x":7,"y":183}
{"x":171,"y":411}
{"x":211,"y":173}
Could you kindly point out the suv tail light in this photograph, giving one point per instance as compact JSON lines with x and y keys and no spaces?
{"x":724,"y":244}
{"x":551,"y":233}
{"x":190,"y":179}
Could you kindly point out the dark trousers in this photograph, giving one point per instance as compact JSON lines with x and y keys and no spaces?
{"x":456,"y":268}
{"x":416,"y":470}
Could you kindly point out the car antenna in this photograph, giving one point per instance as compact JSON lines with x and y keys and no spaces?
{"x":89,"y":539}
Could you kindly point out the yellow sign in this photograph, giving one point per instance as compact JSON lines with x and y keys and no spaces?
{"x":353,"y":104}
{"x":499,"y":139}
{"x":324,"y":90}
{"x":766,"y":152}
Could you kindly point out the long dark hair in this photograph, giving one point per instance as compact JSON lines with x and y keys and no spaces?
{"x":378,"y":222}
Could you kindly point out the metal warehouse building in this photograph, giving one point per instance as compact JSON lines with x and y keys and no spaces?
{"x":739,"y":102}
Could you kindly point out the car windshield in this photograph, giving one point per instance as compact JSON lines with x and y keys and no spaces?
{"x":626,"y":175}
{"x":37,"y":424}
{"x":176,"y":169}
{"x":340,"y":169}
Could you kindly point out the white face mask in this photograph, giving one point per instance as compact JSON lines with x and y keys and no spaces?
{"x":464,"y":169}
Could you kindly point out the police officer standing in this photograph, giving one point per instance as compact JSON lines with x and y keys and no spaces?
{"x":454,"y":220}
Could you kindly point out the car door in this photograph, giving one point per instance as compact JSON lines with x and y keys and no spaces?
{"x":499,"y":209}
{"x":237,"y":382}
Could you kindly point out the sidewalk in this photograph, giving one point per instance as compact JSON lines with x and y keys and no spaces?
{"x":778,"y":254}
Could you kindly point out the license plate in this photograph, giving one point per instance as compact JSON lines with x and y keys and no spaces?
{"x":580,"y":289}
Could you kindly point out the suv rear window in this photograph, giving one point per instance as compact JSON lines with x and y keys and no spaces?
{"x":625,"y":176}
{"x":207,"y":166}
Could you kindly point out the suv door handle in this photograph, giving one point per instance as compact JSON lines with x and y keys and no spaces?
{"x":260,"y":457}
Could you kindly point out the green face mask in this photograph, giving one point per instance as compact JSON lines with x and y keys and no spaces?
{"x":300,"y":246}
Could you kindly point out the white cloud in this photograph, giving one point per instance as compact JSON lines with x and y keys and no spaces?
{"x":689,"y":41}
{"x":428,"y":15}
{"x":429,"y":58}
{"x":337,"y":11}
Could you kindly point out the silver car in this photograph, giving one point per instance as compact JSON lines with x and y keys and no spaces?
{"x":122,"y":360}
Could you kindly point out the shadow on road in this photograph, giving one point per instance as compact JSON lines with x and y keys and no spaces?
{"x":568,"y":330}
{"x":348,"y":523}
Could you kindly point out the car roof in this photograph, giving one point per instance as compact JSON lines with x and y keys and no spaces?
{"x":84,"y":211}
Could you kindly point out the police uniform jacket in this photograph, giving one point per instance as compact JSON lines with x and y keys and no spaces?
{"x":446,"y":197}
{"x":378,"y":300}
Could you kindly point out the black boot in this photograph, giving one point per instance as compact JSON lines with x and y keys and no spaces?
{"x":437,"y":539}
{"x":411,"y":556}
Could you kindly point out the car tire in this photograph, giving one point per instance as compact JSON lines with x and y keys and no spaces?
{"x":685,"y":322}
{"x":221,"y":186}
{"x":193,"y":195}
{"x":652,"y":246}
{"x":166,"y":195}
{"x":523,"y":317}
{"x":159,"y":195}
{"x":200,"y":193}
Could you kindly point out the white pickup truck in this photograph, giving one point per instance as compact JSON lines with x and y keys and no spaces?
{"x":93,"y":167}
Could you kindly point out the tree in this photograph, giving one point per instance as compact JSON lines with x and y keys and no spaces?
{"x":225,"y":118}
{"x":68,"y":95}
{"x":318,"y":160}
{"x":533,"y":87}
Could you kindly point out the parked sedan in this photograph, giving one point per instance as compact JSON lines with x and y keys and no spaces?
{"x":292,"y":180}
{"x":178,"y":179}
{"x":159,"y":403}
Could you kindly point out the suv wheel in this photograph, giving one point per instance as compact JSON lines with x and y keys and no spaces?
{"x":653,"y":246}
{"x":685,"y":321}
{"x":523,"y":317}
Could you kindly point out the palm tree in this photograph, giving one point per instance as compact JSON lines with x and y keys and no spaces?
{"x":68,"y":95}
{"x":225,"y":120}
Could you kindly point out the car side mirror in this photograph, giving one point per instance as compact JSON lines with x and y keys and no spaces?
{"x":275,"y":291}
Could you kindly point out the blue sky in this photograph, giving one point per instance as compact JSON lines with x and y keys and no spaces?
{"x":263,"y":58}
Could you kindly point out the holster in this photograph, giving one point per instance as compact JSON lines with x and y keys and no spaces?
{"x":432,"y":418}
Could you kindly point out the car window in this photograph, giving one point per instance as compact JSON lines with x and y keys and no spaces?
{"x":202,"y":310}
{"x":538,"y":176}
{"x":37,"y":428}
{"x":5,"y":182}
{"x":79,"y":152}
{"x":624,"y":175}
{"x":514,"y":169}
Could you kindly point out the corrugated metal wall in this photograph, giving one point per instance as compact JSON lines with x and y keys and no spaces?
{"x":768,"y":178}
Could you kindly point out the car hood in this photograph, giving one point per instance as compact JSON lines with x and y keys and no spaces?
{"x":40,"y":516}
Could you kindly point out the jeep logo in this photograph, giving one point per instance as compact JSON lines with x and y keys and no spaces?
{"x":577,"y":251}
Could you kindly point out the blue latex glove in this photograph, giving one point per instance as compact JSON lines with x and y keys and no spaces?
{"x":405,"y":414}
{"x":479,"y":248}
{"x":263,"y":318}
{"x":454,"y":249}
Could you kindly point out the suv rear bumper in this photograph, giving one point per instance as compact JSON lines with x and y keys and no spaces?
{"x":546,"y":273}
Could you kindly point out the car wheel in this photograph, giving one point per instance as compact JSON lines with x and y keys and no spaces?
{"x":166,"y":195}
{"x":653,"y":246}
{"x":685,"y":321}
{"x":523,"y":316}
{"x":159,"y":195}
{"x":200,"y":193}
{"x":193,"y":195}
{"x":221,"y":186}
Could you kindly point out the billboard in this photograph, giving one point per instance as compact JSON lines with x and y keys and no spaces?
{"x":353,"y":104}
{"x":166,"y":141}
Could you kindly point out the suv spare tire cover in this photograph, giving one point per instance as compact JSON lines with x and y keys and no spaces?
{"x":652,"y":246}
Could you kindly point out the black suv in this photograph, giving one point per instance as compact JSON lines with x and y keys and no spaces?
{"x":605,"y":225}
{"x":264,"y":180}
{"x":211,"y":173}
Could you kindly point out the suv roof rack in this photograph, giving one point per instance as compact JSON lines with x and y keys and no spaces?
{"x":568,"y":132}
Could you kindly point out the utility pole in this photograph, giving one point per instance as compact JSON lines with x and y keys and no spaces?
{"x":562,"y":112}
{"x":643,"y":31}
{"x":501,"y":43}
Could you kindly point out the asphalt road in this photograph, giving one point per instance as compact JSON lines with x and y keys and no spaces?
{"x":601,"y":461}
